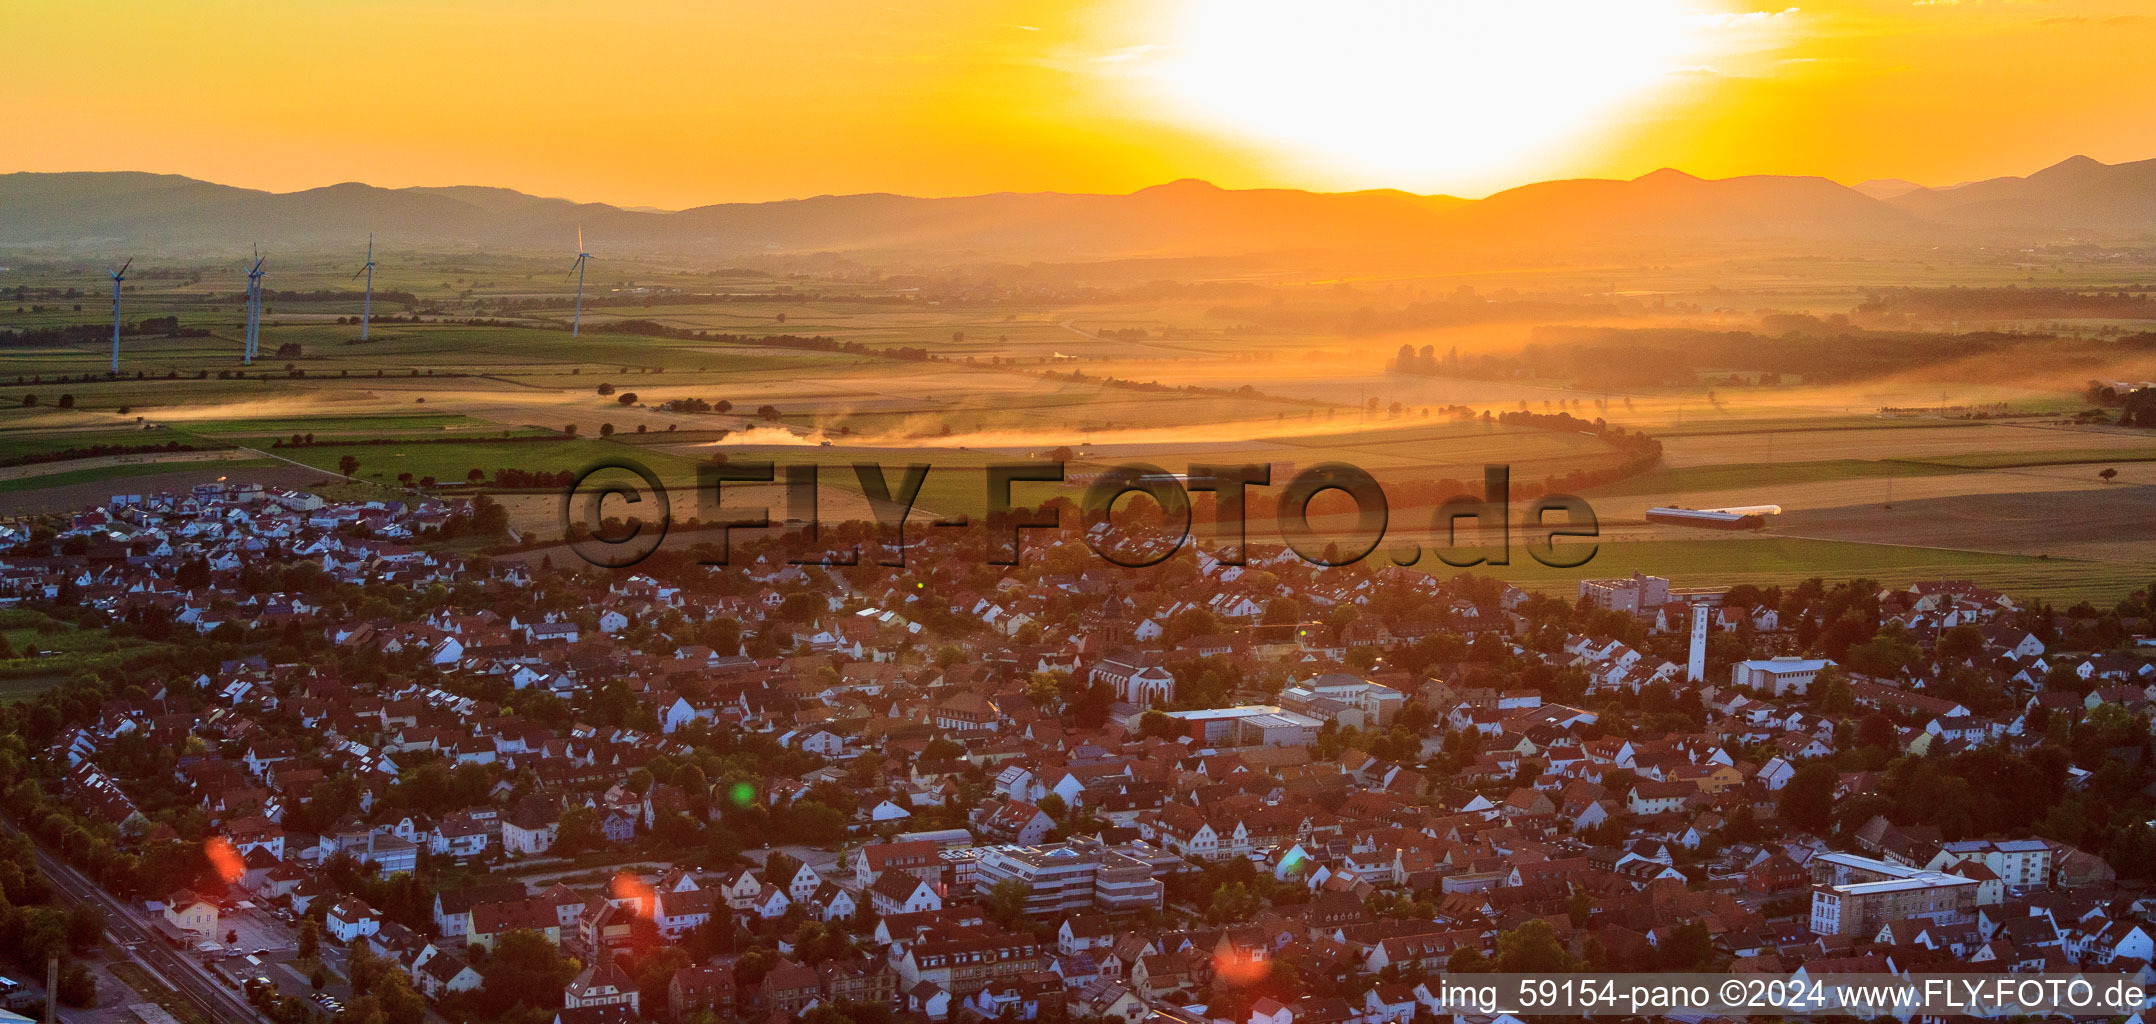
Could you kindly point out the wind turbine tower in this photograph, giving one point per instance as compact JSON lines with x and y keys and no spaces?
{"x":576,"y":323}
{"x":117,"y":277}
{"x":254,"y":309}
{"x":367,"y":311}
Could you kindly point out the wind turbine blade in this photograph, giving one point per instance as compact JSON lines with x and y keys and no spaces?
{"x":123,"y":267}
{"x":356,"y":273}
{"x":580,"y":238}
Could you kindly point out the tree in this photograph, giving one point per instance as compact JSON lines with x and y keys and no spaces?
{"x":85,"y":925}
{"x":400,"y":1003}
{"x":1282,"y":611}
{"x":1688,"y":948}
{"x":606,"y":430}
{"x":1532,"y":948}
{"x":475,"y":476}
{"x":1007,"y":903}
{"x":606,"y":389}
{"x":578,"y":830}
{"x":780,"y":867}
{"x":310,"y":939}
{"x":318,"y":978}
{"x":1233,"y":902}
{"x":1807,"y":802}
{"x":524,"y":970}
{"x":1961,"y":643}
{"x":348,"y":465}
{"x":1466,"y":960}
{"x":1159,"y":723}
{"x":2108,"y":474}
{"x":77,"y":986}
{"x":1877,"y":730}
{"x":627,"y":398}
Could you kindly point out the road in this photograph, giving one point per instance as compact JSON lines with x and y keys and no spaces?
{"x":126,"y":926}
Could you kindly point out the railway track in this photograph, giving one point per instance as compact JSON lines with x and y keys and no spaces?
{"x":211,"y":1000}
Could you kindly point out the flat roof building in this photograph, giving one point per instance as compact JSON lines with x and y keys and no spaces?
{"x":1854,"y":895}
{"x":1778,"y":676}
{"x":1063,"y":877}
{"x":1626,"y":594}
{"x":1266,"y":725}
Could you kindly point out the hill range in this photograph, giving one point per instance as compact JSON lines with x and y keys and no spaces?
{"x":2079,"y":199}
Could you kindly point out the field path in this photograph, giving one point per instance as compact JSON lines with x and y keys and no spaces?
{"x":296,"y":462}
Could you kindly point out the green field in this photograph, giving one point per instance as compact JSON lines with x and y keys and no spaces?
{"x":63,"y":477}
{"x":20,"y":444}
{"x":2015,"y":460}
{"x":449,"y":464}
{"x":62,"y":650}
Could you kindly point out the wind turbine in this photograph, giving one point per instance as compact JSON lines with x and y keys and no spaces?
{"x":367,"y":311}
{"x":254,"y":308}
{"x":576,"y":323}
{"x":117,"y":277}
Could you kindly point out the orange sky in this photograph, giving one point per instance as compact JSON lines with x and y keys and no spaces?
{"x":678,"y":103}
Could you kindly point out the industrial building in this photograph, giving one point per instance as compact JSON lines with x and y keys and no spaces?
{"x":1854,"y":895}
{"x":1745,"y":517}
{"x":1266,"y":725}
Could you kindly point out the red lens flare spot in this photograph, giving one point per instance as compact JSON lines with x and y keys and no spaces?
{"x":224,"y":859}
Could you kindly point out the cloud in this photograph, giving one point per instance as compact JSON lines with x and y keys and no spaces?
{"x":1128,"y":54}
{"x":1750,"y":18}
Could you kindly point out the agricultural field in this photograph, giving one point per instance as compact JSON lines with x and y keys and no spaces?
{"x":1789,"y":560}
{"x":470,"y":367}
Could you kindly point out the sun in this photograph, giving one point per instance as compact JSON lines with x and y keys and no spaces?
{"x":1420,"y":94}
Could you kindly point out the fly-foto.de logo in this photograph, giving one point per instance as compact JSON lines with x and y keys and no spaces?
{"x":1017,"y":499}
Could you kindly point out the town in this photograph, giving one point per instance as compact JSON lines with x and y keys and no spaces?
{"x":331,"y":763}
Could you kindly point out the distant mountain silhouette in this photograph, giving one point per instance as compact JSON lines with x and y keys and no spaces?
{"x":85,"y":211}
{"x":2077,"y":195}
{"x":1886,"y":188}
{"x":1671,"y":203}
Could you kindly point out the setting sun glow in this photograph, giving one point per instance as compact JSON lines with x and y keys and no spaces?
{"x":1480,"y":93}
{"x":722,"y":103}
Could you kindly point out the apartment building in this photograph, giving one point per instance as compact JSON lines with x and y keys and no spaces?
{"x":1854,"y":895}
{"x":1065,"y":877}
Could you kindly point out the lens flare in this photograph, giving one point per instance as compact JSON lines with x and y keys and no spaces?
{"x":224,"y":860}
